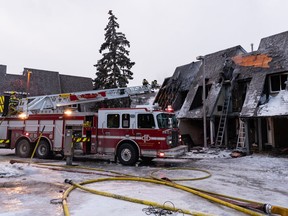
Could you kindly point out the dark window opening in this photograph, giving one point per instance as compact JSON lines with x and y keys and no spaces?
{"x":238,"y":96}
{"x":198,"y":101}
{"x":113,"y":120}
{"x":278,"y":82}
{"x":180,"y":100}
{"x":146,"y":121}
{"x":275,"y":83}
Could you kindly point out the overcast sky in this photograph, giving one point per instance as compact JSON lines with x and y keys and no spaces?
{"x":65,"y":35}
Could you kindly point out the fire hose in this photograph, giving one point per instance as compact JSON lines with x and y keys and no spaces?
{"x":246,"y":206}
{"x":139,"y":179}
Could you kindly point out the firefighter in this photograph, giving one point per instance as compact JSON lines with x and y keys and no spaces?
{"x":13,"y":103}
{"x":145,"y":82}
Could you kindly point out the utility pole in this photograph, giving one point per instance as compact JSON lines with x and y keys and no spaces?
{"x":202,"y":58}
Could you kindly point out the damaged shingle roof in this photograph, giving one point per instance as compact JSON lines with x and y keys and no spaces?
{"x":270,"y":58}
{"x":172,"y":87}
{"x":214,"y":64}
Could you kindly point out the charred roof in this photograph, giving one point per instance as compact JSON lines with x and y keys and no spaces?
{"x":270,"y":58}
{"x":215,"y":65}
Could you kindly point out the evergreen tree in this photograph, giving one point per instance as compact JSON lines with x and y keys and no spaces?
{"x":114,"y":69}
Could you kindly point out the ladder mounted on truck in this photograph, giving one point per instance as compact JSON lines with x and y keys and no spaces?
{"x":56,"y":102}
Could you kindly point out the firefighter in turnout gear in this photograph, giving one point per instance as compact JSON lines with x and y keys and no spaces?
{"x":13,"y":103}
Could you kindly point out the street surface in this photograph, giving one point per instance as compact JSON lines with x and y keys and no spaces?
{"x":27,"y":189}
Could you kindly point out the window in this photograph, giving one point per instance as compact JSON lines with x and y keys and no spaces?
{"x":166,"y":120}
{"x":277,"y":82}
{"x":125,"y":120}
{"x":113,"y":120}
{"x":198,"y":99}
{"x":146,"y":121}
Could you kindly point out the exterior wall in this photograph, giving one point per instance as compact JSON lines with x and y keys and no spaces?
{"x":194,"y":128}
{"x":11,"y":82}
{"x":75,"y":83}
{"x":3,"y":69}
{"x":42,"y":82}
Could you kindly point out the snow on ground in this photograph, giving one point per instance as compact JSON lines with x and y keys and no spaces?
{"x":27,"y":189}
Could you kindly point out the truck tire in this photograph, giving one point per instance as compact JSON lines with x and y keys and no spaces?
{"x":43,"y":150}
{"x":127,"y":154}
{"x":24,"y":148}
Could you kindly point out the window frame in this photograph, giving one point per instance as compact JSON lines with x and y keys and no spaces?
{"x":145,"y":124}
{"x":280,"y":85}
{"x":125,"y":119}
{"x":113,"y":121}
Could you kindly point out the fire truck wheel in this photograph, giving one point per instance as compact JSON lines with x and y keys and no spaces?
{"x":127,"y":154}
{"x":43,"y":150}
{"x":24,"y":148}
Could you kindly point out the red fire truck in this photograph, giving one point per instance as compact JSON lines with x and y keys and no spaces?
{"x":123,"y":134}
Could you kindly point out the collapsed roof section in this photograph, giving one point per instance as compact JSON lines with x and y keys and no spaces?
{"x":174,"y":89}
{"x":216,"y":66}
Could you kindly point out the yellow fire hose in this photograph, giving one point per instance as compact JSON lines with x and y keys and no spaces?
{"x":170,"y":184}
{"x":225,"y":200}
{"x":36,"y":146}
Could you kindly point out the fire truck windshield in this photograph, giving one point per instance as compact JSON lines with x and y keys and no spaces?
{"x":165,"y":120}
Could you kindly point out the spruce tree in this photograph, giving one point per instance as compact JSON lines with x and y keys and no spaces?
{"x":114,"y":68}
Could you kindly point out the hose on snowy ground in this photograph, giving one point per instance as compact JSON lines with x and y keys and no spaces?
{"x":145,"y":202}
{"x":263,"y":207}
{"x":266,"y":208}
{"x":120,"y":197}
{"x":182,"y":179}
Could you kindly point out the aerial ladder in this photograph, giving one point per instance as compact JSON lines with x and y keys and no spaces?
{"x":56,"y":103}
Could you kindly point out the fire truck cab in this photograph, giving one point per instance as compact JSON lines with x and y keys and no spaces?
{"x":133,"y":133}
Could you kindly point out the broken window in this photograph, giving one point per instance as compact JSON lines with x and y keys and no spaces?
{"x":278,"y":82}
{"x":198,"y":99}
{"x":238,"y":96}
{"x":197,"y":102}
{"x":177,"y":104}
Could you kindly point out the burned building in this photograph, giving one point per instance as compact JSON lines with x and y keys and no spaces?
{"x":246,"y":98}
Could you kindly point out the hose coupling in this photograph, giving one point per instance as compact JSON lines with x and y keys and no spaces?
{"x":267,"y":208}
{"x":68,"y":181}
